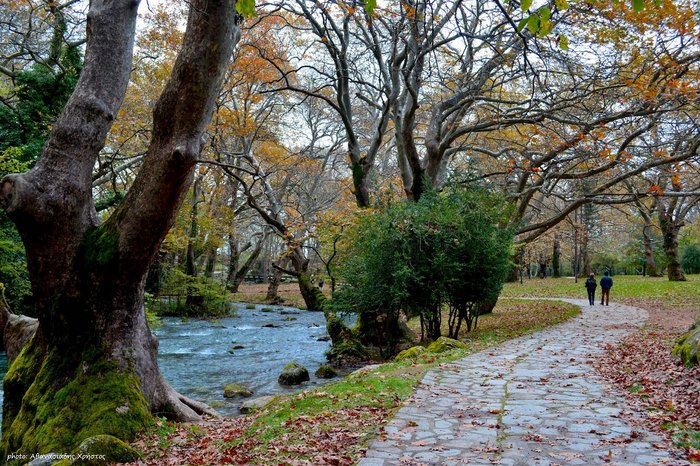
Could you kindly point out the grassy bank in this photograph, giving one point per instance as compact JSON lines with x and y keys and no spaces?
{"x":333,"y":424}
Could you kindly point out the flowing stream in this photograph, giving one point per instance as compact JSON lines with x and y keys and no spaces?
{"x":198,"y":357}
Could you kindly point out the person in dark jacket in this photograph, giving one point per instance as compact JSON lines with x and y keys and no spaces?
{"x":605,"y":284}
{"x":590,"y":287}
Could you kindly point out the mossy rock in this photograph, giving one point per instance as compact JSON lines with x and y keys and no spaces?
{"x":293,"y":374}
{"x":250,"y":306}
{"x":289,"y":319}
{"x":234,"y":390}
{"x":410,"y":353}
{"x":443,"y":344}
{"x":687,"y":347}
{"x":406,"y":334}
{"x":103,"y":449}
{"x":348,"y":349}
{"x":266,"y":309}
{"x":249,"y":406}
{"x":325,"y":372}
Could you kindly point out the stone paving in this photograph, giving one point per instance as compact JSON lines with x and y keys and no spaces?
{"x":534,"y":400}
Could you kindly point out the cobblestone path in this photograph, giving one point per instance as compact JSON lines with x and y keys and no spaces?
{"x":534,"y":400}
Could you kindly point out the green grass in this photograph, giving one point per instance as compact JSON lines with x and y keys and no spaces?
{"x":687,"y":438}
{"x":681,"y":295}
{"x":635,"y":388}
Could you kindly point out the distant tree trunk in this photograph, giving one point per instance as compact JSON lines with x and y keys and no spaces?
{"x":486,"y":307}
{"x":234,"y":257}
{"x":154,"y":278}
{"x":647,"y":213}
{"x":516,"y":271}
{"x":360,"y":181}
{"x":670,"y":230}
{"x":210,"y":263}
{"x":585,"y":255}
{"x":649,"y":261}
{"x":190,"y":262}
{"x":91,"y":367}
{"x":556,"y":257}
{"x":542,"y":263}
{"x":273,"y":286}
{"x":313,"y":296}
{"x":247,"y":265}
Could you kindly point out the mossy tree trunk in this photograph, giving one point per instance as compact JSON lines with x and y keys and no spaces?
{"x":670,"y":234}
{"x":91,"y":367}
{"x":672,"y":215}
{"x":274,"y":285}
{"x":313,"y":296}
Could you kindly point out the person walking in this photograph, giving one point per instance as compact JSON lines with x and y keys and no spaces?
{"x":591,"y":285}
{"x":605,"y":284}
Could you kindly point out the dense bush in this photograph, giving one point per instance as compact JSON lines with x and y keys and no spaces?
{"x":416,"y":258}
{"x":690,"y":259}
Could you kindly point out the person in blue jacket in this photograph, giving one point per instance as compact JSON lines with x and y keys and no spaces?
{"x":605,"y":284}
{"x":591,"y":285}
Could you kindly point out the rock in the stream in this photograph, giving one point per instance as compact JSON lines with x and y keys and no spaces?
{"x":325,"y":372}
{"x":233,"y":390}
{"x":293,"y":374}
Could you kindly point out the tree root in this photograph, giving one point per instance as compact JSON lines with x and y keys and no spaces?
{"x":178,"y":407}
{"x":15,"y":330}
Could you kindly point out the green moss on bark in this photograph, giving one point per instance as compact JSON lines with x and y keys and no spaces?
{"x":57,"y":413}
{"x":358,"y":175}
{"x":313,"y":296}
{"x":18,"y":379}
{"x":101,"y":246}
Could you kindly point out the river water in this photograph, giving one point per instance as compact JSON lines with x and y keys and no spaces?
{"x":198,"y":359}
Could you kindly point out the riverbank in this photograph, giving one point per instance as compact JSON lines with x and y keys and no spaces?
{"x":333,"y":424}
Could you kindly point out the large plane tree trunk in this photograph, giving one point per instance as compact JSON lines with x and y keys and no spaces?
{"x":91,"y":366}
